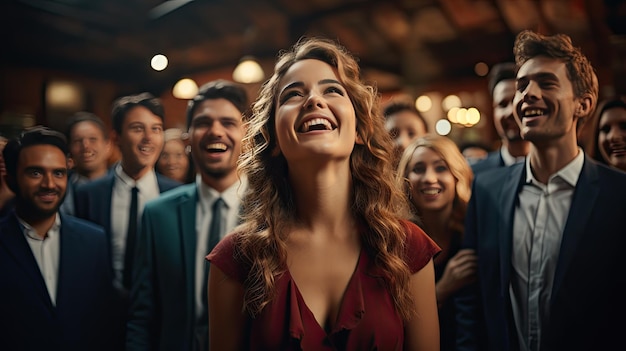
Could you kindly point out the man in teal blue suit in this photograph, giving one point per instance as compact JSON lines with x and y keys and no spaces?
{"x":548,"y":232}
{"x":168,"y":296}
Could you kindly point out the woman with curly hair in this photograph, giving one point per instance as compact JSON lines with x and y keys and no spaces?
{"x":437,"y":179}
{"x":325,"y":258}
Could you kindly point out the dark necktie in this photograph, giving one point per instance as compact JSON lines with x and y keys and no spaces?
{"x":215,"y":229}
{"x":215,"y":232}
{"x":131,"y":238}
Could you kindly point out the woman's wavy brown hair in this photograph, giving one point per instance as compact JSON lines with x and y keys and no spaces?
{"x":269,"y":208}
{"x":460,"y":169}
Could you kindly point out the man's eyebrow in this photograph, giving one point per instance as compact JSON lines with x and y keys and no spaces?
{"x":540,"y":75}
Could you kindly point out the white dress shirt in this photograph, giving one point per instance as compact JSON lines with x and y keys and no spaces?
{"x":46,"y":252}
{"x":120,"y":212}
{"x":540,"y":218}
{"x":206,"y":198}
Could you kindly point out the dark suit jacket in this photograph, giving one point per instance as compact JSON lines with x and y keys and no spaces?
{"x":494,"y":160}
{"x":80,"y":320}
{"x":93,"y":200}
{"x":162,"y":312}
{"x":93,"y":203}
{"x":587,"y":306}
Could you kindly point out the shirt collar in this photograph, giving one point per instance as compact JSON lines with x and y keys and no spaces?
{"x":31,"y":233}
{"x":570,"y":173}
{"x":508,"y":158}
{"x":144,"y":183}
{"x":231,"y":196}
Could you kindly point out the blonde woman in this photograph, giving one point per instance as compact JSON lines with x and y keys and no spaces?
{"x":324,"y":259}
{"x":437,"y":179}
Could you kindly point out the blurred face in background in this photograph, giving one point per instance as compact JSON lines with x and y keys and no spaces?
{"x":89,"y":148}
{"x":432,"y":185}
{"x":503,"y":118}
{"x":404,"y":126}
{"x":612,"y":137}
{"x":141,"y":141}
{"x":215,"y":137}
{"x":3,"y":168}
{"x":173,"y":162}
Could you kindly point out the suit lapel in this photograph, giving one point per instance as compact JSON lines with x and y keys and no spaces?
{"x":13,"y":239}
{"x":187,"y":217}
{"x":106,"y":202}
{"x":508,"y":199}
{"x":68,"y":263}
{"x":584,"y":198}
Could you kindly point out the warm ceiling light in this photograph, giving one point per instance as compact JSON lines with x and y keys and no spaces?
{"x":248,"y":71}
{"x":64,"y":95}
{"x":450,"y":101}
{"x":185,"y":89}
{"x":473,"y":116}
{"x":452,"y":115}
{"x":481,"y":69}
{"x":423,"y":103}
{"x":158,"y":62}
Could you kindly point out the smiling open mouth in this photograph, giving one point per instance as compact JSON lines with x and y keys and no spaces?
{"x":533,"y":112}
{"x":216,"y":147}
{"x":316,"y":124}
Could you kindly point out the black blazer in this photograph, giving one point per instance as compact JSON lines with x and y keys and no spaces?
{"x":80,"y":320}
{"x":588,"y":301}
{"x":93,"y":199}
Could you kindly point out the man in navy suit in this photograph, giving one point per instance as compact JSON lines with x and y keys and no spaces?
{"x":513,"y":148}
{"x":107,"y":201}
{"x":168,"y":302}
{"x":55,"y":273}
{"x":548,"y":232}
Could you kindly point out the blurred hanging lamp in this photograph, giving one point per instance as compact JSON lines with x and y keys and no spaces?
{"x":248,"y":71}
{"x":185,"y":88}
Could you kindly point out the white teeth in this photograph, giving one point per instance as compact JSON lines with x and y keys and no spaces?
{"x":533,"y":112}
{"x":431,"y":191}
{"x":325,"y":124}
{"x":216,"y":146}
{"x":144,"y":149}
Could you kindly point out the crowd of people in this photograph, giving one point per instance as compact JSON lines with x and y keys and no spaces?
{"x":315,"y":218}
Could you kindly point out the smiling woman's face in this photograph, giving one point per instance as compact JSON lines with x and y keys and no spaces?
{"x":314,"y":114}
{"x":612,"y":137}
{"x":433,"y":187}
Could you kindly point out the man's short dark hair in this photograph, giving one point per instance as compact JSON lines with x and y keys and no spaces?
{"x":122,"y":105}
{"x":399,"y":106}
{"x":580,"y":72}
{"x":84,"y":116}
{"x":501,"y":71}
{"x":219,"y":89}
{"x":38,"y":135}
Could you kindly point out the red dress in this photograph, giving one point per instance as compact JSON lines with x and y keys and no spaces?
{"x":367,"y":317}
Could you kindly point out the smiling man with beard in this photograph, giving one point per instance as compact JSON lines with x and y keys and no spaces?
{"x":168,"y":297}
{"x":513,"y":148}
{"x":54,"y":269}
{"x":549,"y":231}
